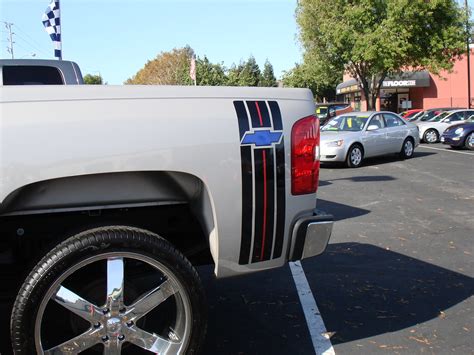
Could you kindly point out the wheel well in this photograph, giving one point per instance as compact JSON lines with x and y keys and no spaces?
{"x":175,"y":205}
{"x":358,"y":144}
{"x":431,"y":129}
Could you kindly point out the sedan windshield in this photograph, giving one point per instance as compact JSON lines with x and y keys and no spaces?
{"x":352,"y":123}
{"x":322,"y":112}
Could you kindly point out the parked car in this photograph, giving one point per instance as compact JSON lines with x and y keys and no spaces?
{"x":431,"y":131}
{"x":326,"y":111}
{"x":431,"y":113}
{"x":354,"y":136}
{"x":406,"y":115}
{"x":460,"y":135}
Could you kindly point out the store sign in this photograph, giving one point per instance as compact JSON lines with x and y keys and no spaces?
{"x":347,"y":89}
{"x":398,"y":83}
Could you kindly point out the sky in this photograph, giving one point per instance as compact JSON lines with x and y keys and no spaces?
{"x":115,"y":38}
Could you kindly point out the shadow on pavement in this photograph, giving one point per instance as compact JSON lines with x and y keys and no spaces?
{"x":374,"y":178}
{"x":376,"y":160}
{"x":363,"y":290}
{"x":255,"y":314}
{"x":339,"y":210}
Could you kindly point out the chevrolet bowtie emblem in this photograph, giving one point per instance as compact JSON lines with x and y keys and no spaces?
{"x":262,"y":138}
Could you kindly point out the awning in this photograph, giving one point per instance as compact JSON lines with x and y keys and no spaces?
{"x":347,"y":86}
{"x":409,"y":79}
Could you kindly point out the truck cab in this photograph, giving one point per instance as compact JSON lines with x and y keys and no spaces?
{"x":39,"y":72}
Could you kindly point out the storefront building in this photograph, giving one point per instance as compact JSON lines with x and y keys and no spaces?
{"x":415,"y":89}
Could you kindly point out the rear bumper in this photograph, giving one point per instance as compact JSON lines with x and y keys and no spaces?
{"x":311,"y":235}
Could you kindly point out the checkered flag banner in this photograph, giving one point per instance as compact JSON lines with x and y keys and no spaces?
{"x":52,"y":25}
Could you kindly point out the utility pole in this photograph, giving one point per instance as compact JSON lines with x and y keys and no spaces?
{"x":8,"y":26}
{"x":468,"y":35}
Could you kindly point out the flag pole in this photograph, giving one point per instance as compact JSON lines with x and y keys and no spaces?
{"x":60,"y":32}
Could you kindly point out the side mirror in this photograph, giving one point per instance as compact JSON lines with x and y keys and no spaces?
{"x":373,"y":127}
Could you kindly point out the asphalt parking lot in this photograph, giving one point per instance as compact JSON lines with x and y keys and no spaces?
{"x":397,"y":276}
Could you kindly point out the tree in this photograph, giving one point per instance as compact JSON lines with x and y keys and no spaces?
{"x":90,"y":79}
{"x":267,"y":78}
{"x":168,"y":68}
{"x":234,"y":74}
{"x":250,"y":74}
{"x":372,"y":39}
{"x":210,"y":74}
{"x":316,"y":75}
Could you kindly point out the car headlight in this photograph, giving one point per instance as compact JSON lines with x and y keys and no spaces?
{"x":459,"y":130}
{"x":338,"y":143}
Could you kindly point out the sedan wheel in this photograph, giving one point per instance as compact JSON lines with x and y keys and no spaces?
{"x":149,"y":297}
{"x":354,"y":157}
{"x":407,"y":149}
{"x":470,"y":141}
{"x":431,"y":136}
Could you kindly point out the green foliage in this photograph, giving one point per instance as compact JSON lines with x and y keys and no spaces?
{"x":375,"y":38}
{"x":210,"y":74}
{"x":172,"y":68}
{"x":316,"y":75}
{"x":250,"y":74}
{"x":267,"y":78}
{"x":90,"y":79}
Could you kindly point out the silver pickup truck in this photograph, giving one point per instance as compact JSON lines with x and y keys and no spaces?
{"x":110,"y":196}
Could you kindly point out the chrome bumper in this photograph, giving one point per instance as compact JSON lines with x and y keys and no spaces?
{"x":311,"y":235}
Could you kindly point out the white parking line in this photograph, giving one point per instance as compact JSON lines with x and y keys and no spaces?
{"x":446,"y":150}
{"x":322,"y":345}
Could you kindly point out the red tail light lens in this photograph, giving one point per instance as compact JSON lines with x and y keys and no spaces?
{"x":305,"y":156}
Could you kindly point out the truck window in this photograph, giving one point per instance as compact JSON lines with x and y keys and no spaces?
{"x":31,"y":75}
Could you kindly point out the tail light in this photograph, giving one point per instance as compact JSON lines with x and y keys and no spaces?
{"x":305,"y":156}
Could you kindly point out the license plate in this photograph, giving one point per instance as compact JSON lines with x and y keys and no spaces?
{"x":442,"y":139}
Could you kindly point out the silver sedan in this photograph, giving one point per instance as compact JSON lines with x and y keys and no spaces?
{"x":354,"y":136}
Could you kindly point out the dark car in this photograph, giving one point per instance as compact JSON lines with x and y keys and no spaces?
{"x":460,"y":135}
{"x":326,"y":111}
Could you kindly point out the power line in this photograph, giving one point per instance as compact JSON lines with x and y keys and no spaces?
{"x":36,"y":48}
{"x":33,"y":41}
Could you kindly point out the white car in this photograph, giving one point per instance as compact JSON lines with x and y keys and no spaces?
{"x":431,"y":131}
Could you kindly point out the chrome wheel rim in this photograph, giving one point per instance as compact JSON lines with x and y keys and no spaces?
{"x":431,"y":136}
{"x":470,"y":141}
{"x":408,"y":148}
{"x":114,"y":323}
{"x":356,"y":156}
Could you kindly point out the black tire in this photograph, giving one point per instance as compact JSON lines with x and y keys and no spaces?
{"x":102,"y":242}
{"x":408,"y":149}
{"x":431,"y":136}
{"x":355,"y":155}
{"x":469,"y":142}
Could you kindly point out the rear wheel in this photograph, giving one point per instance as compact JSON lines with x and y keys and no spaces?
{"x":470,"y":141}
{"x":408,"y":148}
{"x":355,"y":156}
{"x":431,"y":136}
{"x":110,"y":289}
